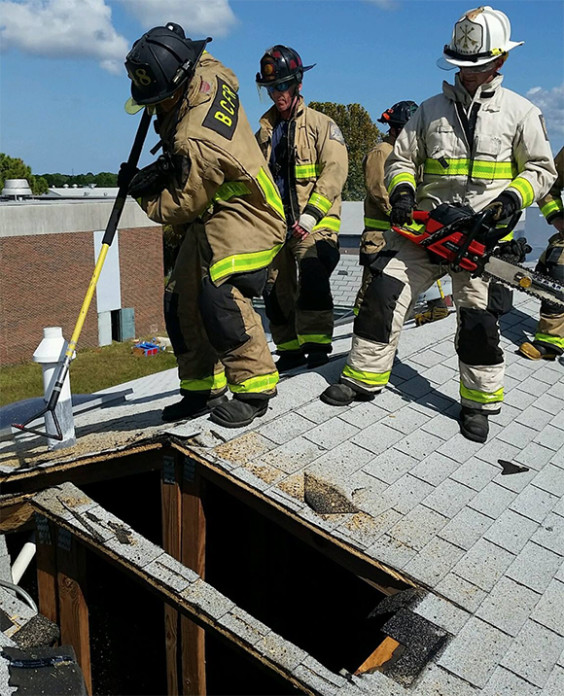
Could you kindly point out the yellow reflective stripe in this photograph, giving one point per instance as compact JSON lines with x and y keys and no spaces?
{"x":217,"y":381}
{"x":230,"y":189}
{"x":270,"y":193}
{"x":320,"y":202}
{"x":493,"y":170}
{"x":243,"y":263}
{"x":456,"y":167}
{"x":481,"y":169}
{"x":356,"y":310}
{"x":525,"y":190}
{"x":289,"y":345}
{"x":255,"y":385}
{"x":374,"y":224}
{"x":481,"y":397}
{"x":306,"y":171}
{"x":314,"y":338}
{"x":328,"y":223}
{"x":404,"y":177}
{"x":553,"y":340}
{"x":551,"y":207}
{"x":374,"y":379}
{"x":508,"y":237}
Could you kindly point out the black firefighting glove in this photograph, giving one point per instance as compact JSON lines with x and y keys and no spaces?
{"x":126,"y":174}
{"x":152,"y":179}
{"x":402,"y":201}
{"x":513,"y":251}
{"x":504,"y":206}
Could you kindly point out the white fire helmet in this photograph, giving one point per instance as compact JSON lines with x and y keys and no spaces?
{"x":479,"y":36}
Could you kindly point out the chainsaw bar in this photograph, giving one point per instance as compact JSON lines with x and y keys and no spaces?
{"x":516,"y":276}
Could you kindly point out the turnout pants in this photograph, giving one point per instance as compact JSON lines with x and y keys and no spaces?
{"x":216,"y":335}
{"x":298,"y":300}
{"x":400,"y":273}
{"x":550,"y":329}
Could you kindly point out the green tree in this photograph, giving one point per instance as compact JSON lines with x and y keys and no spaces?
{"x":15,"y":168}
{"x":360,"y":135}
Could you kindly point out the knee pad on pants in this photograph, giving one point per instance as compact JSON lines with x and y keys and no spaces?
{"x":478,"y":338}
{"x":172,"y":322}
{"x":272,"y":307}
{"x":500,"y":299}
{"x":221,"y":317}
{"x":314,"y":288}
{"x":376,"y":314}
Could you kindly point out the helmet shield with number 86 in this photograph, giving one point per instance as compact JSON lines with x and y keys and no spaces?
{"x":160,"y":62}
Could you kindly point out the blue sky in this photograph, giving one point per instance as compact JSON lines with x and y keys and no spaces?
{"x":63,"y":86}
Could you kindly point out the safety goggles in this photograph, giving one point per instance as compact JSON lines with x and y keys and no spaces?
{"x":281,"y":86}
{"x":477,"y":69}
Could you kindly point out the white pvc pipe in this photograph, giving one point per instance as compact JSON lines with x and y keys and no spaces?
{"x":22,"y":561}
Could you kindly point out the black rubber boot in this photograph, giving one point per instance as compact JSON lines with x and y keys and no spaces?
{"x":289,"y":360}
{"x":192,"y":406}
{"x":537,"y":351}
{"x":343,"y":395}
{"x":316,"y":358}
{"x":474,"y":424}
{"x":238,"y":412}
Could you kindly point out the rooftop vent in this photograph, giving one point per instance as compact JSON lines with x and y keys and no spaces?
{"x":16,"y":189}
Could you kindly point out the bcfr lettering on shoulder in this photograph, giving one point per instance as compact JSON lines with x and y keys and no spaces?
{"x":224,"y":111}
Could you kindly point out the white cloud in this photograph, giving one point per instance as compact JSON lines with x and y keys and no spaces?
{"x":197,"y":17}
{"x":551,"y":103}
{"x":63,"y":28}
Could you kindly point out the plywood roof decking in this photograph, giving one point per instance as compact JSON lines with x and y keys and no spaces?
{"x":429,"y":504}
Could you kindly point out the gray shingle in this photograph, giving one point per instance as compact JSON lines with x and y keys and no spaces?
{"x":550,"y":479}
{"x":505,"y":683}
{"x":534,"y":503}
{"x":508,"y":606}
{"x":442,"y":613}
{"x":285,"y":428}
{"x":292,"y":456}
{"x":435,"y":468}
{"x":534,"y":456}
{"x":407,"y":492}
{"x":442,"y":426}
{"x":534,"y":653}
{"x":331,"y":433}
{"x":418,"y":527}
{"x":435,"y":560}
{"x":363,"y":414}
{"x":484,"y":564}
{"x":406,"y":420}
{"x":475,"y":652}
{"x":475,"y":473}
{"x":466,"y":528}
{"x":377,"y":438}
{"x":549,"y":403}
{"x":551,"y":533}
{"x":419,"y":444}
{"x":390,"y":465}
{"x":534,"y":417}
{"x":551,"y":437}
{"x":459,"y":448}
{"x":555,"y":684}
{"x":534,"y":567}
{"x":391,"y":552}
{"x":449,"y":497}
{"x":511,"y":531}
{"x":438,"y":682}
{"x":548,"y":611}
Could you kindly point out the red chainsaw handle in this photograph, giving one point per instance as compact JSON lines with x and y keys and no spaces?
{"x":420,"y":215}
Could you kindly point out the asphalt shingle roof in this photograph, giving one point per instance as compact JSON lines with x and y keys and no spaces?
{"x":438,"y":509}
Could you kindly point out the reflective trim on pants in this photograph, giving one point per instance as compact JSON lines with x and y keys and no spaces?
{"x":256,"y":385}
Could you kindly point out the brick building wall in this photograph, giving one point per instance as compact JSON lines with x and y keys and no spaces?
{"x":142,"y":277}
{"x":44,"y":278}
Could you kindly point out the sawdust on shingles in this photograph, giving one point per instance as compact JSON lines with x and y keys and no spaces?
{"x":94,"y":443}
{"x":293,"y":486}
{"x":266,"y":473}
{"x":242,"y":449}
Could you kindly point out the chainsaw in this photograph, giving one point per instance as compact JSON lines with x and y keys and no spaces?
{"x":467,"y":241}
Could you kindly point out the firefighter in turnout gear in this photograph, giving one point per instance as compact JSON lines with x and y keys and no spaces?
{"x":213,"y":184}
{"x":376,"y":202}
{"x":481,"y":146}
{"x":548,"y":343}
{"x":309,"y":162}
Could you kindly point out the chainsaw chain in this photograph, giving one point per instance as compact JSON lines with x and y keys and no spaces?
{"x":550,"y":282}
